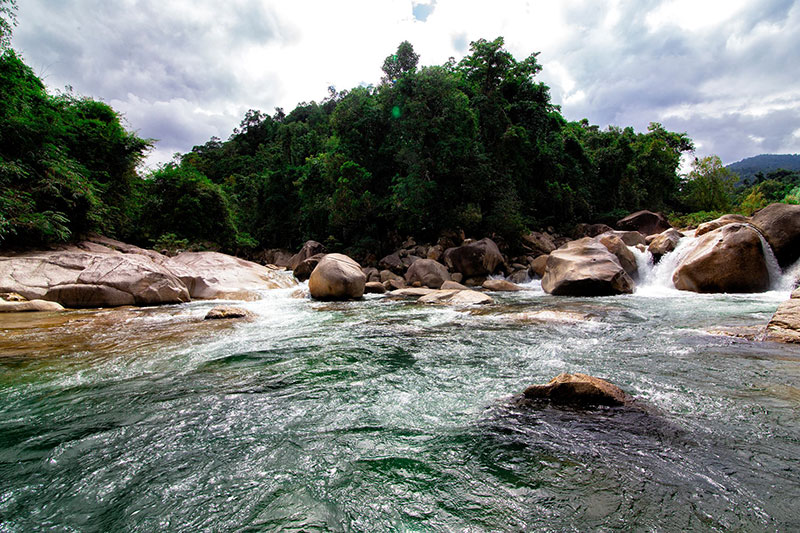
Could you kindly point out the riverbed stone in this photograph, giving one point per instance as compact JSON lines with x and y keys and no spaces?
{"x":585,"y":268}
{"x":501,"y":285}
{"x":728,"y":259}
{"x":427,"y":272}
{"x":479,"y":258}
{"x":309,"y":249}
{"x":337,"y":277}
{"x":664,"y":243}
{"x":785,"y":323}
{"x":453,"y":285}
{"x":27,"y":306}
{"x":226,"y":312}
{"x":374,"y":287}
{"x":617,"y":246}
{"x":456,"y":298}
{"x":578,"y":389}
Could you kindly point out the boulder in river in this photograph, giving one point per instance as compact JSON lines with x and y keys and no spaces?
{"x":664,"y":243}
{"x":427,"y":272}
{"x":585,"y":268}
{"x":724,"y":220}
{"x":645,"y":222}
{"x":303,"y":270}
{"x":310,"y":248}
{"x":538,"y":243}
{"x":27,"y":306}
{"x":337,"y":277}
{"x":785,"y":323}
{"x":374,"y":287}
{"x":617,"y":246}
{"x":213,"y":275}
{"x":501,"y":285}
{"x":727,"y":259}
{"x":226,"y":312}
{"x":780,"y":225}
{"x":479,"y":258}
{"x":577,"y":389}
{"x":456,"y":298}
{"x":539,"y":265}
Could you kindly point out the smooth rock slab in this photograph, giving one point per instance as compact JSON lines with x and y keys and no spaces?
{"x":456,"y":298}
{"x":501,"y":285}
{"x":224,"y":312}
{"x":27,"y":306}
{"x":785,"y":323}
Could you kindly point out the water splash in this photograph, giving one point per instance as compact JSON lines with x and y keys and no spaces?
{"x":656,"y":279}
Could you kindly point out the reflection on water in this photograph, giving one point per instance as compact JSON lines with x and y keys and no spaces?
{"x":384,"y":414}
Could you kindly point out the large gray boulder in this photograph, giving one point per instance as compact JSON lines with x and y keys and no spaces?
{"x":479,"y":258}
{"x":103,"y":277}
{"x":213,"y":275}
{"x":780,"y":225}
{"x":727,"y":259}
{"x":427,"y":272}
{"x":585,"y":268}
{"x":337,"y":277}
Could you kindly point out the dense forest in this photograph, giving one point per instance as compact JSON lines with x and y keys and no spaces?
{"x":749,"y":168}
{"x":473,"y":145}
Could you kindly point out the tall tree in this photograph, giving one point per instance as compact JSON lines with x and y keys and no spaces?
{"x":399,"y":63}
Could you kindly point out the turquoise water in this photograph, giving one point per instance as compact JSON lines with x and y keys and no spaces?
{"x":386,"y":415}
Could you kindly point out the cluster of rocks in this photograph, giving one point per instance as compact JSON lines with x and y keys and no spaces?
{"x":102,"y":272}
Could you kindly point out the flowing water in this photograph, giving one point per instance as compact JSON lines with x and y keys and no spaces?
{"x":387,"y":415}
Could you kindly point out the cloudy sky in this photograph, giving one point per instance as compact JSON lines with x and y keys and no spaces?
{"x":725,"y":72}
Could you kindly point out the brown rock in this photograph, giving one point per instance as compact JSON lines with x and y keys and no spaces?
{"x":590,"y":230}
{"x":724,"y":220}
{"x":458,"y":277}
{"x":435,"y":252}
{"x":519,"y":276}
{"x":452,"y":286}
{"x":392,"y":262}
{"x":337,"y":277}
{"x":616,"y":246}
{"x":727,"y":259}
{"x":539,"y":265}
{"x":780,"y":225}
{"x":371,"y":273}
{"x":645,"y":222}
{"x":275,"y":256}
{"x":304,"y":269}
{"x":386,"y":275}
{"x":630,"y":238}
{"x":223,"y":312}
{"x":785,"y":323}
{"x":538,"y":243}
{"x":456,"y":298}
{"x":427,"y":272}
{"x":578,"y":389}
{"x":309,"y":249}
{"x":585,"y":268}
{"x":394,"y":284}
{"x":374,"y":287}
{"x":414,"y":292}
{"x":501,"y":285}
{"x":480,"y":258}
{"x":664,"y":243}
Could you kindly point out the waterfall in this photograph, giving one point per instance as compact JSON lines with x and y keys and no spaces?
{"x":657,"y":279}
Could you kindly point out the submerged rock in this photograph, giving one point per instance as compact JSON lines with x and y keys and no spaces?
{"x":223,"y":312}
{"x":27,"y":306}
{"x":780,"y":225}
{"x":727,"y":259}
{"x":577,"y":389}
{"x":585,"y":268}
{"x":337,"y":277}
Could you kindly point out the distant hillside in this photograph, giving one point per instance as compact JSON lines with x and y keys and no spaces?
{"x":749,"y":167}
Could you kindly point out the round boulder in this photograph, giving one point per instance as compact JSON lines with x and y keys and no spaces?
{"x":727,"y":259}
{"x":664,"y":243}
{"x":780,"y":225}
{"x":585,"y":268}
{"x":479,"y":258}
{"x":427,"y":272}
{"x":577,"y":389}
{"x":337,"y":277}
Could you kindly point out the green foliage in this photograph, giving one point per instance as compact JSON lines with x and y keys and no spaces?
{"x":692,"y":220}
{"x":399,"y":63}
{"x":8,"y":19}
{"x":709,"y":186}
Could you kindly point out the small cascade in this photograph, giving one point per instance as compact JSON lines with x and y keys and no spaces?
{"x":777,"y":279}
{"x":657,"y":278}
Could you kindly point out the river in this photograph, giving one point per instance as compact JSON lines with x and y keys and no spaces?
{"x":387,"y":415}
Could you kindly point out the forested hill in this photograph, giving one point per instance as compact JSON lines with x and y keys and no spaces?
{"x":474,"y":145}
{"x":764,"y":163}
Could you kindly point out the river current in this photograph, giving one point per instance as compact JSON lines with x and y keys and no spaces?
{"x":388,"y":415}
